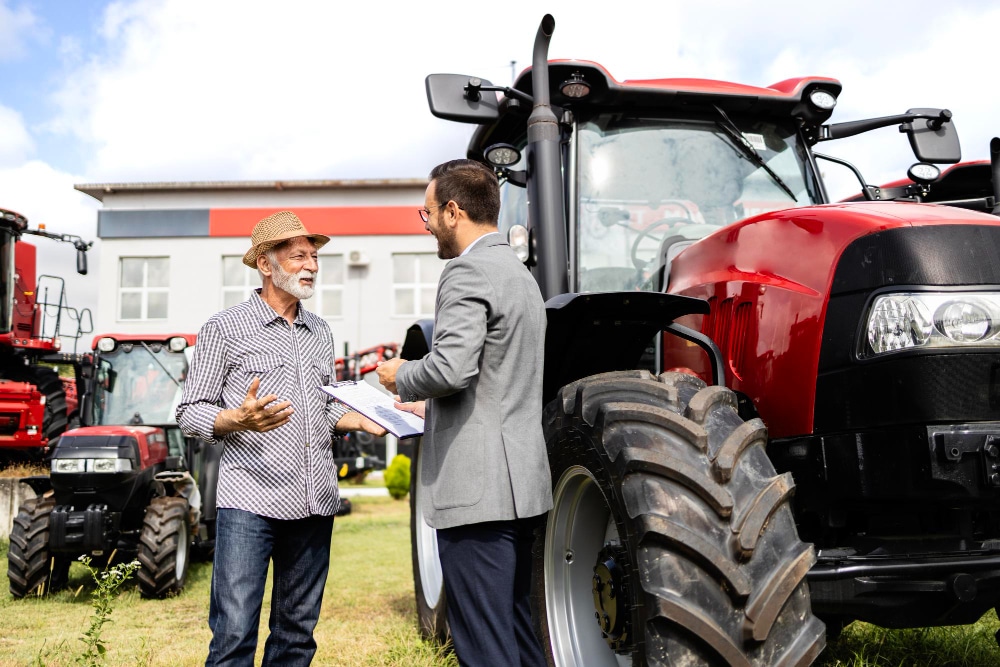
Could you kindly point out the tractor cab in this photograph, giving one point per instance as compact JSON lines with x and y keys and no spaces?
{"x":139,"y":380}
{"x":652,"y":166}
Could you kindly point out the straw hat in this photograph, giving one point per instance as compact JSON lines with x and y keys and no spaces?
{"x":274,"y":229}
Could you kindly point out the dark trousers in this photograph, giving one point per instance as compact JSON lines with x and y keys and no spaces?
{"x":487,"y":574}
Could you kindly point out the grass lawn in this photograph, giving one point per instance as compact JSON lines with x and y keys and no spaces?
{"x":368,"y":615}
{"x":367,"y":618}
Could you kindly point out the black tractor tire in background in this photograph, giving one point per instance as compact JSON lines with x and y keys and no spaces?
{"x":164,"y":548}
{"x":49,"y":385}
{"x":31,"y":568}
{"x":428,"y":581}
{"x":671,"y":540}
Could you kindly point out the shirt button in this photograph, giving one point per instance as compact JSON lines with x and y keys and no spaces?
{"x":307,"y":444}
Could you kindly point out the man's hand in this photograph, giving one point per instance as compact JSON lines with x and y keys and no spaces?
{"x":416,"y":407}
{"x":355,"y":421}
{"x":255,"y":414}
{"x":387,"y":372}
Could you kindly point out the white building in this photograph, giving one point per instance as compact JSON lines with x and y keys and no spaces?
{"x":171,"y":253}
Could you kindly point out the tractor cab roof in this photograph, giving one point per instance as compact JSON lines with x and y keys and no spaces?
{"x":684,"y":97}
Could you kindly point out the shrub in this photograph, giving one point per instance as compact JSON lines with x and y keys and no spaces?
{"x":397,"y":476}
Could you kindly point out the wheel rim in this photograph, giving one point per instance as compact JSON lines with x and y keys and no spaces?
{"x":181,"y":555}
{"x":578,"y":528}
{"x":428,"y":561}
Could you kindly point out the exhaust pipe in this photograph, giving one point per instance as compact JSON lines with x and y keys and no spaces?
{"x":545,"y":187}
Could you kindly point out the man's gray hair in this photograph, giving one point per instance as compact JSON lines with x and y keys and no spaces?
{"x":272,"y":259}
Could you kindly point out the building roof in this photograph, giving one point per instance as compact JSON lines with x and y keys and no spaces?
{"x":98,"y":190}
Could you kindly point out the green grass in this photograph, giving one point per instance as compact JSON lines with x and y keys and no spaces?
{"x":864,"y":645}
{"x":368,"y":616}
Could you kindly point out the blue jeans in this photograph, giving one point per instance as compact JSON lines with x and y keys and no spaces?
{"x":245,"y":543}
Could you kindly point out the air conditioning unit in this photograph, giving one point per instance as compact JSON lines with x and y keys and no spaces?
{"x":357,"y":258}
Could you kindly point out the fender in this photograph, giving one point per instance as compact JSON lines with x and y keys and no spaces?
{"x":598,"y":332}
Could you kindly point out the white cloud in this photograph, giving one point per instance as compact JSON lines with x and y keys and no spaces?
{"x":16,"y":144}
{"x":189,"y":90}
{"x":17,"y":27}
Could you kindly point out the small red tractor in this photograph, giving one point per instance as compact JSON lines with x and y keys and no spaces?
{"x":128,"y":482}
{"x":36,"y":405}
{"x":767,"y":414}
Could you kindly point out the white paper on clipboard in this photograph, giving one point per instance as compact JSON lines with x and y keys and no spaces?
{"x":377,"y":406}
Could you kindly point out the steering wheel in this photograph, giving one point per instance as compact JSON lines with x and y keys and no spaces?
{"x":662,"y":222}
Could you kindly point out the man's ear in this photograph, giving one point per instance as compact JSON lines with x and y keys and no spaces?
{"x":453,"y":212}
{"x":263,"y":265}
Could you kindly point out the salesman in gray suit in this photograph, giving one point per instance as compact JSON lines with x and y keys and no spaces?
{"x":484,"y":465}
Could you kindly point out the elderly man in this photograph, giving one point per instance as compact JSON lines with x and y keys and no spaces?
{"x":483,"y":459}
{"x":254,"y":385}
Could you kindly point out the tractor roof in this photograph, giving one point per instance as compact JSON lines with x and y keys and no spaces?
{"x":678,"y":97}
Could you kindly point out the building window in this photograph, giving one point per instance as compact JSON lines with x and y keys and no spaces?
{"x":414,"y":283}
{"x":143,"y":288}
{"x":238,"y":281}
{"x":328,"y":300}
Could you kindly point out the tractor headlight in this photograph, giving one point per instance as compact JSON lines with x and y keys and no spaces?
{"x":69,"y":465}
{"x":932,"y":320}
{"x":518,"y":239}
{"x":109,"y":465}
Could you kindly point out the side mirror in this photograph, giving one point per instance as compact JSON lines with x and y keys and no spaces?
{"x":460,"y":98}
{"x":933,"y":140}
{"x":81,"y":262}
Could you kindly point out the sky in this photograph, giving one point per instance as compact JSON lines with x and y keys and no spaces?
{"x":189,"y":90}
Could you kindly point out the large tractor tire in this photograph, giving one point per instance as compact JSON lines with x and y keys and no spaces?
{"x":49,"y":385}
{"x":164,"y":548}
{"x":31,"y":568}
{"x":428,"y":580}
{"x":671,"y":540}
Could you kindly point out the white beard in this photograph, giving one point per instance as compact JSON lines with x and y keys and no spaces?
{"x":289,"y":282}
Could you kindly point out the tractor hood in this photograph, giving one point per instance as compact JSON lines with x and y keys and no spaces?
{"x":789,"y":275}
{"x":799,"y":248}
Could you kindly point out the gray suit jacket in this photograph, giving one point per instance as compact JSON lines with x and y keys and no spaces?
{"x":483,"y":454}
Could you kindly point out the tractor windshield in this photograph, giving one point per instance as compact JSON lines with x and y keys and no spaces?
{"x":139,"y":384}
{"x":646,"y":185}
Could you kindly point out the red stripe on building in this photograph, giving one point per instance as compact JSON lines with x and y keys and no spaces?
{"x":328,"y":220}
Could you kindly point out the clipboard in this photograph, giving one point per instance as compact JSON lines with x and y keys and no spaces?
{"x":377,"y":406}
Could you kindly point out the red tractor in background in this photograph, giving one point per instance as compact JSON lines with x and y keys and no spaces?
{"x":35,"y":404}
{"x":767,"y":414}
{"x":128,"y":481}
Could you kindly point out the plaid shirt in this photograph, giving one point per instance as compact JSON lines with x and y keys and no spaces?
{"x":288,"y":472}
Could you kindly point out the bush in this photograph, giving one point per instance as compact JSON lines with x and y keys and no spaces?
{"x":397,"y":476}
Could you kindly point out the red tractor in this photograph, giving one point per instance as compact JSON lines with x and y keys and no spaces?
{"x":35,"y":404}
{"x":767,"y":414}
{"x":128,"y":482}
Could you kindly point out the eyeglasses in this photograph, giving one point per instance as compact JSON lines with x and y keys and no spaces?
{"x":425,"y":213}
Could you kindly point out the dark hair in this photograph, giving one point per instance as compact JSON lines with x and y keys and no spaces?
{"x":470,"y":184}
